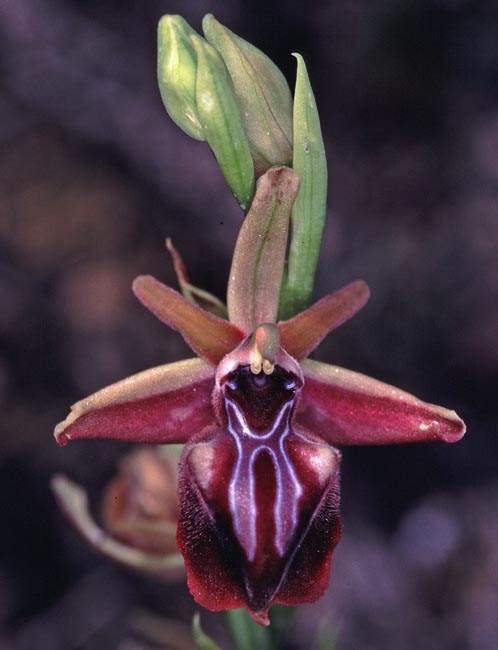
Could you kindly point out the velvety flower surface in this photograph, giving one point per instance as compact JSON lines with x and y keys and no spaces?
{"x":259,"y":473}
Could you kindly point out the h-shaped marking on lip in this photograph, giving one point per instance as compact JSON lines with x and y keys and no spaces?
{"x":242,"y":504}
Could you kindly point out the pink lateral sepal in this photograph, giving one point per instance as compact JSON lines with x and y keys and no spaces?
{"x":167,"y":404}
{"x":346,"y":408}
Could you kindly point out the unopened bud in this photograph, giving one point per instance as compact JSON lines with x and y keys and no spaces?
{"x":177,"y":73}
{"x":262,"y":93}
{"x":221,"y":121}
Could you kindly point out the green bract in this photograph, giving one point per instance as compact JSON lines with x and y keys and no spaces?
{"x":262,"y":93}
{"x":310,"y":206}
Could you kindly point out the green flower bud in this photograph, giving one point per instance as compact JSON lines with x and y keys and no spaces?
{"x":262,"y":93}
{"x":221,"y":121}
{"x":177,"y":73}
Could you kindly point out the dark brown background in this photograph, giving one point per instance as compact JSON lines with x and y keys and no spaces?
{"x":93,"y":176}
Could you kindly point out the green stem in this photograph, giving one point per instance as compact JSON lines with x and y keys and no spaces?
{"x":247,"y":634}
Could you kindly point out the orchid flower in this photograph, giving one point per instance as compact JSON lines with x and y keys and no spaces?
{"x":259,"y":473}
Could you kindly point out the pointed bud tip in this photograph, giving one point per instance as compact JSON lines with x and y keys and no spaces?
{"x":169,"y":23}
{"x":208,"y":18}
{"x":165,"y":23}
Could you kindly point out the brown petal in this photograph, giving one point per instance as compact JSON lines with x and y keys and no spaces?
{"x":209,"y":336}
{"x":346,"y":408}
{"x":259,"y":256}
{"x":303,"y":333}
{"x":74,"y":503}
{"x":167,"y":404}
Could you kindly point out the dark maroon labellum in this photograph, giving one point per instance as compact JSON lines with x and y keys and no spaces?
{"x":265,"y":496}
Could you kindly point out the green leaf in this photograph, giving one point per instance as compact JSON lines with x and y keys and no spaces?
{"x":201,"y":639}
{"x":309,"y":211}
{"x":262,"y":93}
{"x":221,"y":121}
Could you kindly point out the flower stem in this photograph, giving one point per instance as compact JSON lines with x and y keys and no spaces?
{"x":247,"y":634}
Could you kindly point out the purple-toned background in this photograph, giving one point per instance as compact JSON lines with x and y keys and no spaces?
{"x":94,"y":176}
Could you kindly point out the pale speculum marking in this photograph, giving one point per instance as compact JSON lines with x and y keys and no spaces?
{"x":242,"y":490}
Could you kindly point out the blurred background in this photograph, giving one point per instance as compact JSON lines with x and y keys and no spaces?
{"x":94,"y":176}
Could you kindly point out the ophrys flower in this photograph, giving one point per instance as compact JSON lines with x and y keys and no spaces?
{"x":259,"y":473}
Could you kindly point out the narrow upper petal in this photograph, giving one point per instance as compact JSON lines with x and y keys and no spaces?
{"x":167,"y":404}
{"x":259,"y":256}
{"x":199,"y":297}
{"x":347,"y":408}
{"x":302,"y":334}
{"x":209,"y":336}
